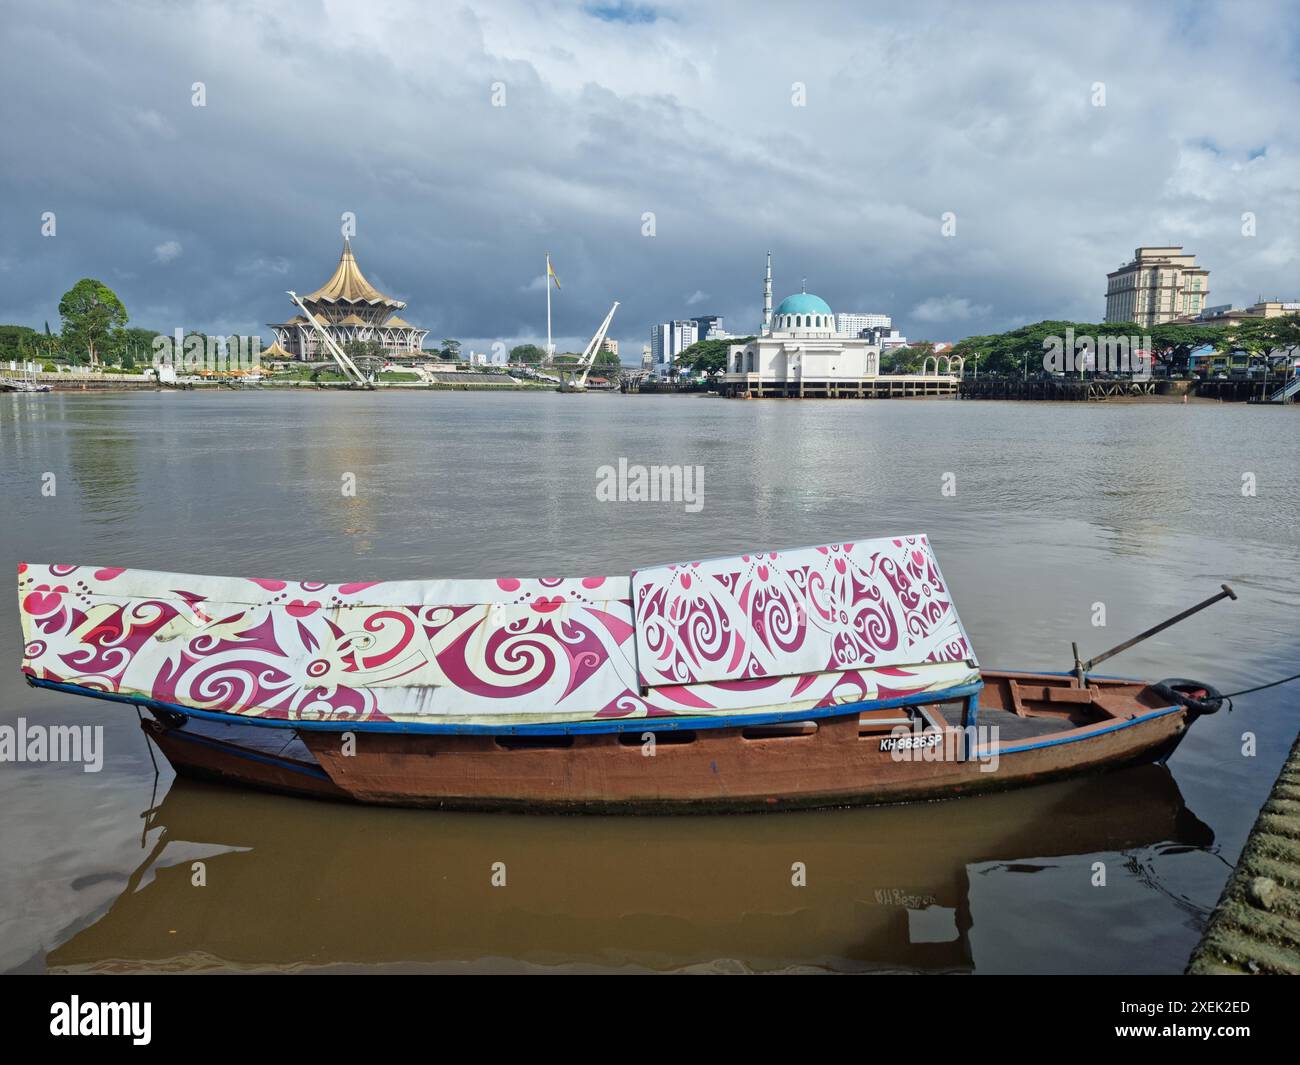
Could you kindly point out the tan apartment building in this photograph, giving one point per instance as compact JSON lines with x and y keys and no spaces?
{"x":1229,"y":315}
{"x":1159,"y":285}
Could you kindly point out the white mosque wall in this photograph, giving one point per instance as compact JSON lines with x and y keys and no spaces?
{"x":778,"y":359}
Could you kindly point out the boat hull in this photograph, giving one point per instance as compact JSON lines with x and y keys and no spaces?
{"x":838,"y":760}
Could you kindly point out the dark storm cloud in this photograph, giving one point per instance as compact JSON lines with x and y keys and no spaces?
{"x":201,"y":217}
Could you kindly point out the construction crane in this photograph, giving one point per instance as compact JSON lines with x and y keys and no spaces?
{"x":578,"y":383}
{"x":345,"y":363}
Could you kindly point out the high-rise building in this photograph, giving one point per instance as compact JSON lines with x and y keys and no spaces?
{"x":647,"y":357}
{"x":856,"y":325}
{"x":668,"y":340}
{"x":706,"y":325}
{"x":886,"y":338}
{"x":610,"y":346}
{"x":1159,"y":285}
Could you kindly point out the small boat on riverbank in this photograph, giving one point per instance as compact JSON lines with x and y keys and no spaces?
{"x":24,"y":384}
{"x":823,"y":676}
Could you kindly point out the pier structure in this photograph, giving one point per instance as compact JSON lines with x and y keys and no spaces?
{"x":887,"y":386}
{"x":1056,"y":388}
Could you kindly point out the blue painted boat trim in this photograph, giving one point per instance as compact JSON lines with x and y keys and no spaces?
{"x":639,"y":724}
{"x":1074,"y":737}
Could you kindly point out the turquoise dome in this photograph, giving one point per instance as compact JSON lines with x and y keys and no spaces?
{"x":803,"y":303}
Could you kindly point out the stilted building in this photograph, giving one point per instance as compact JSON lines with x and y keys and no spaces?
{"x":350,"y":308}
{"x":799,"y":343}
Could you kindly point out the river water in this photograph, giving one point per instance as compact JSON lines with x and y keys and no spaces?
{"x":1037,"y":512}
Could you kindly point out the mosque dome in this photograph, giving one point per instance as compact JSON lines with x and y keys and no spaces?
{"x":803,"y":303}
{"x":803,"y":312}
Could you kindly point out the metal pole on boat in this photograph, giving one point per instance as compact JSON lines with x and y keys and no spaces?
{"x":1082,"y":669}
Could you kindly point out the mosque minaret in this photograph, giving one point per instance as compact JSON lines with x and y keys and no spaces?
{"x":799,"y":345}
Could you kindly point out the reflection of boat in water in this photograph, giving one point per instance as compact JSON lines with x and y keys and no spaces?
{"x":292,"y":883}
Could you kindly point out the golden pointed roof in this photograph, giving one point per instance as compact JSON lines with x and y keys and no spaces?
{"x":349,"y":284}
{"x":351,"y":319}
{"x":397,"y":323}
{"x":275,"y":352}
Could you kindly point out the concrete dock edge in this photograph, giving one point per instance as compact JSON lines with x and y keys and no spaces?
{"x":1255,"y":928}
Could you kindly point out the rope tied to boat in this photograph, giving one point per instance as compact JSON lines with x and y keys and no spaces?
{"x":1259,"y":688}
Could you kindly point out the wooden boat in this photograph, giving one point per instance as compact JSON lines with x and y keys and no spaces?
{"x":823,"y":676}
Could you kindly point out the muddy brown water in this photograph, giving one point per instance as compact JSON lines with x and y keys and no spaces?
{"x":1056,"y":508}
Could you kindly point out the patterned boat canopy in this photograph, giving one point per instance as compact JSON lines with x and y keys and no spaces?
{"x":779,"y":631}
{"x":870,"y":604}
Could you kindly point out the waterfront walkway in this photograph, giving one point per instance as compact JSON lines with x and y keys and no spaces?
{"x":1256,"y":926}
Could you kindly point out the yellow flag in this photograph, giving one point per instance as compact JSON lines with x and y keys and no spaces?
{"x":550,"y":272}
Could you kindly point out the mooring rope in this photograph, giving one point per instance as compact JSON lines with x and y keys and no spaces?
{"x":1247,"y":691}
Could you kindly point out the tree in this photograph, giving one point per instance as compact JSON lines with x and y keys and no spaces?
{"x":530,"y":354}
{"x":16,"y":341}
{"x":365,"y":349}
{"x":708,"y":356}
{"x":910,"y":359}
{"x":1261,"y":340}
{"x":90,"y":312}
{"x":131,"y":347}
{"x":450,"y":350}
{"x":1173,"y":344}
{"x":1024,"y":347}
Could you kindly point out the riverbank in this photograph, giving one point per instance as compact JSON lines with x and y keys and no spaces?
{"x":123,"y":383}
{"x":1256,"y":926}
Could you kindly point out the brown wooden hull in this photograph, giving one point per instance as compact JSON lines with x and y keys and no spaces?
{"x":719,"y":769}
{"x":838,"y":761}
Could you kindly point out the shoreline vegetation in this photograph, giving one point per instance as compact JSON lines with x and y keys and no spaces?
{"x":95,"y":350}
{"x":94,"y":338}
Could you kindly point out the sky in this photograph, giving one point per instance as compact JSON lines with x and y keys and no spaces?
{"x":657,"y":151}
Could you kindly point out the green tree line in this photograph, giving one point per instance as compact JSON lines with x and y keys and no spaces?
{"x":1171,"y":344}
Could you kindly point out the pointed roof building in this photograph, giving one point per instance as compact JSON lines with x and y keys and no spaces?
{"x":349,"y":285}
{"x":350,"y":309}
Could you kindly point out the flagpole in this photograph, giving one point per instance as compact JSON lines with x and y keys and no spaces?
{"x":547,"y":279}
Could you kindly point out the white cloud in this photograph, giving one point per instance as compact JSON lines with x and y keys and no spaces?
{"x":264,"y":266}
{"x":949,"y":309}
{"x":167,"y":251}
{"x":696,"y":297}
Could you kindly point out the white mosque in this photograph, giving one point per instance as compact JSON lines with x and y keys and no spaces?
{"x":798,"y":347}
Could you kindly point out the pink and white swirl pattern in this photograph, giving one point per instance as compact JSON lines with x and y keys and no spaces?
{"x":839,"y":607}
{"x":562,"y":649}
